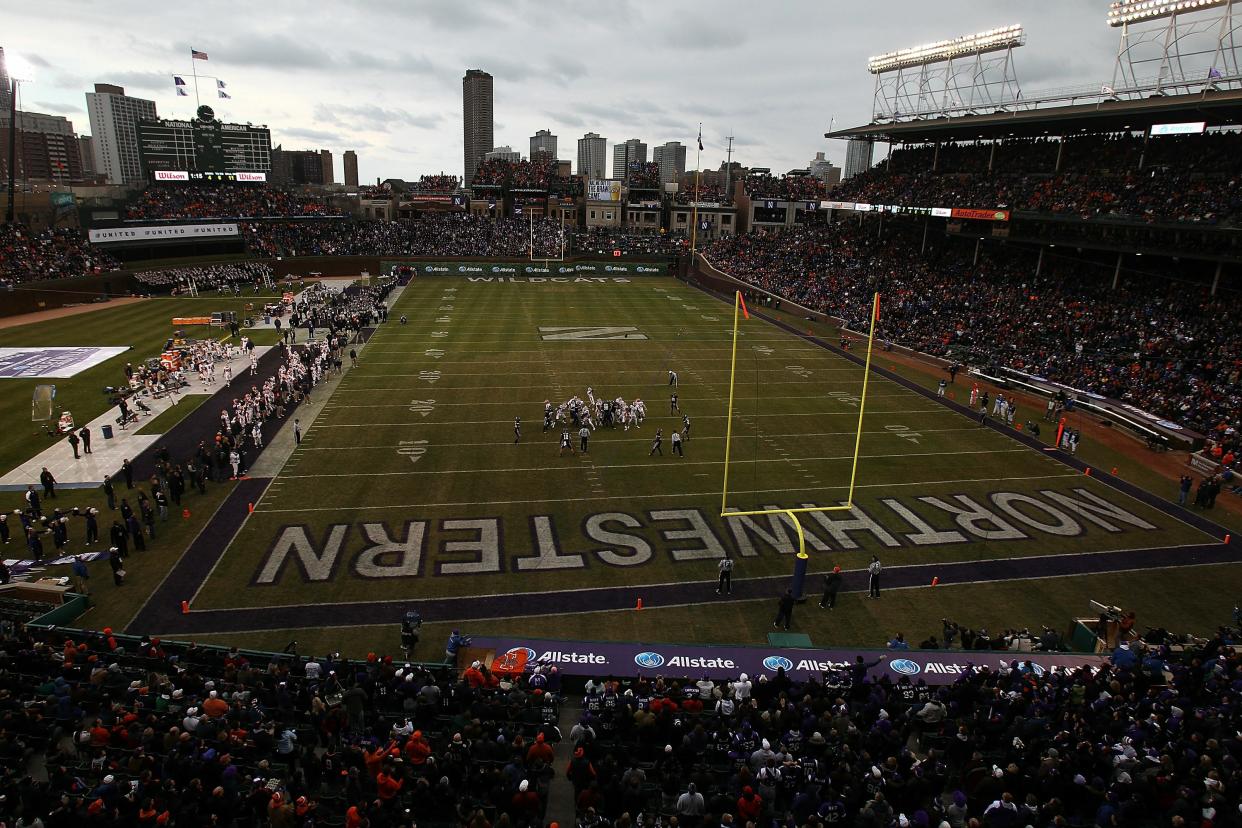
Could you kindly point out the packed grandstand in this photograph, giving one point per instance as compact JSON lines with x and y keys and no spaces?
{"x":1103,"y":262}
{"x":1068,"y":323}
{"x":136,"y":731}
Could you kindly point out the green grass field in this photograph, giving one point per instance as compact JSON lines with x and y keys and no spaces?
{"x":143,"y":326}
{"x":410,"y":484}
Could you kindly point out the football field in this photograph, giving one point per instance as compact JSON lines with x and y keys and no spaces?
{"x":409,"y":490}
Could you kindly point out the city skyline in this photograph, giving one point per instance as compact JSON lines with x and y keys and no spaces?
{"x":400,"y":109}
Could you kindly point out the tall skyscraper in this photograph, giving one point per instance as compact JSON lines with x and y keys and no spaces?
{"x":857,"y":156}
{"x":6,"y":88}
{"x":325,"y":161}
{"x":46,"y":148}
{"x":114,"y":119}
{"x":86,"y":149}
{"x":301,"y":166}
{"x":592,"y":155}
{"x":672,"y":160}
{"x":632,"y":151}
{"x":351,"y":168}
{"x":476,"y":105}
{"x":823,"y":169}
{"x":543,"y":145}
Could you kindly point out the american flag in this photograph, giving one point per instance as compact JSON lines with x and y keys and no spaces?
{"x":197,"y":55}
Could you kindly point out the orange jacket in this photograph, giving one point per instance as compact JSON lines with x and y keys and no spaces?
{"x":389,"y":786}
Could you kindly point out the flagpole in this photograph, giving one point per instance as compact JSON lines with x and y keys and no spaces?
{"x":694,"y":224}
{"x":194,"y":72}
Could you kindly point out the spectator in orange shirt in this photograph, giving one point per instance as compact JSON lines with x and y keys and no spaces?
{"x":356,"y":816}
{"x":214,"y":706}
{"x":388,"y":785}
{"x":540,"y":750}
{"x":474,"y":676}
{"x":417,"y":749}
{"x":374,"y":758}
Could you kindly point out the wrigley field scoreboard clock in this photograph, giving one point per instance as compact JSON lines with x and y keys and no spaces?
{"x":203,"y":149}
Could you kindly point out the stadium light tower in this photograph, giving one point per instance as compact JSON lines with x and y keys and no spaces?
{"x":19,"y":70}
{"x":948,"y":76}
{"x":1189,"y":44}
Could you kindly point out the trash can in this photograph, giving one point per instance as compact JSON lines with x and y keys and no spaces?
{"x":267,"y":320}
{"x":107,"y":431}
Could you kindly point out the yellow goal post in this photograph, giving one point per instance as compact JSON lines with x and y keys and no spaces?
{"x":739,"y":307}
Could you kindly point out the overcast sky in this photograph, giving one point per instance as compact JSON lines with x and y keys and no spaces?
{"x":383,"y":77}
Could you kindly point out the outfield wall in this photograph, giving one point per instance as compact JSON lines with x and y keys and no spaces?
{"x":474,"y":267}
{"x":82,"y":290}
{"x":47,"y":294}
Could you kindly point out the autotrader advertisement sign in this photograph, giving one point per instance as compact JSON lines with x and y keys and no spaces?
{"x":537,"y":268}
{"x":604,"y":658}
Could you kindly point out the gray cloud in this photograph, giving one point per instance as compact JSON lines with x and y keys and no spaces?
{"x":373,"y":117}
{"x":404,"y":63}
{"x":706,"y":35}
{"x":319,"y":136}
{"x":143,"y":81}
{"x":772,"y":73}
{"x":251,"y":48}
{"x":59,"y":108}
{"x":565,"y":119}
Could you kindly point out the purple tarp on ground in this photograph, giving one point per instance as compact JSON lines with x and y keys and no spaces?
{"x":602,"y":658}
{"x":20,"y":363}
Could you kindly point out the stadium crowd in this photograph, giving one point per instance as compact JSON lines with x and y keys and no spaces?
{"x":146,"y":732}
{"x":216,"y":201}
{"x":441,"y":183}
{"x":643,"y":176}
{"x":1187,"y":179}
{"x":786,"y":187}
{"x":443,"y":234}
{"x":535,"y":175}
{"x":1153,"y":342}
{"x":602,"y":241}
{"x":27,"y":255}
{"x":222,"y":277}
{"x":711,"y":194}
{"x":432,"y":234}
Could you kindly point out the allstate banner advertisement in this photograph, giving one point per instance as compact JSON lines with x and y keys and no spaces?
{"x":538,"y":269}
{"x":606,"y":658}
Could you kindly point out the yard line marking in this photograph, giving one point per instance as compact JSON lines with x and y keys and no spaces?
{"x":678,"y":495}
{"x":487,"y":387}
{"x":853,"y":414}
{"x":719,"y":342}
{"x":793,"y":460}
{"x":540,"y":402}
{"x":644,"y":440}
